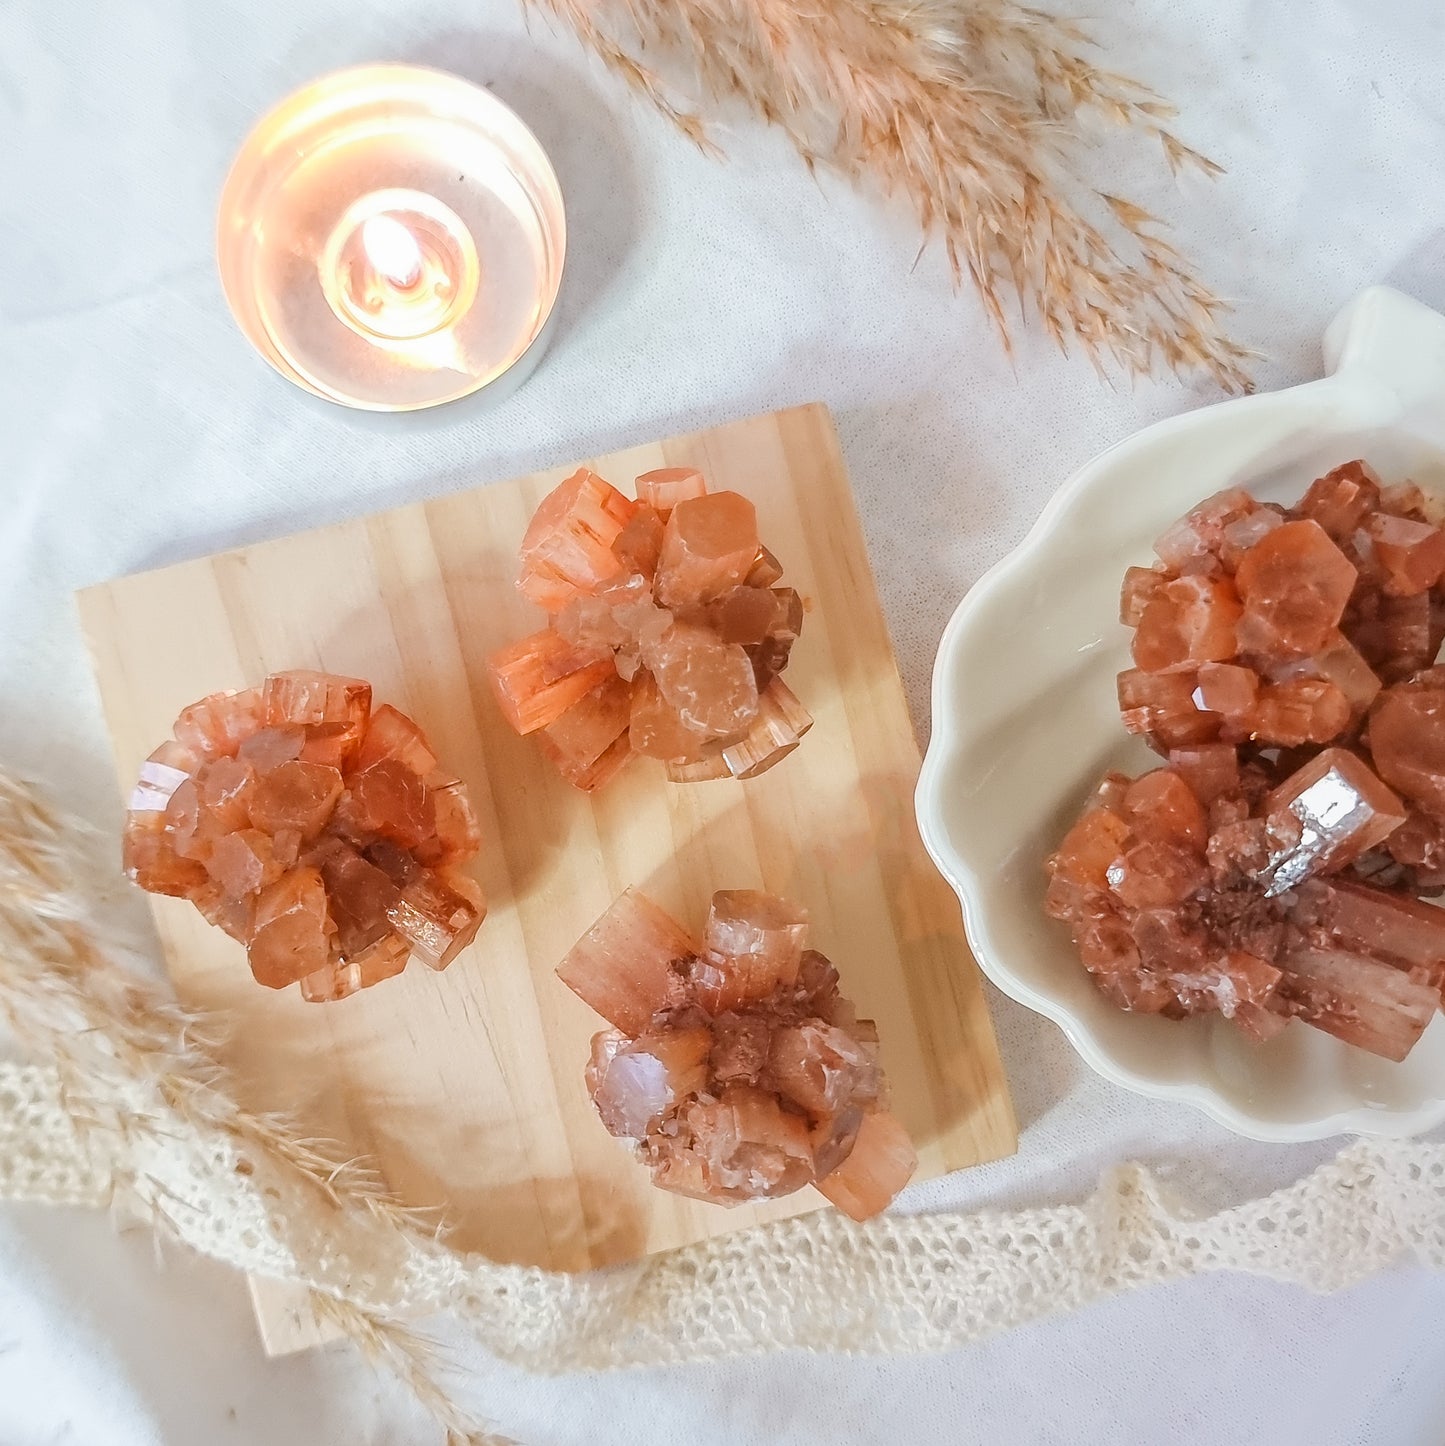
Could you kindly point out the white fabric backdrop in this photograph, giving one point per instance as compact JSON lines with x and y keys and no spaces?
{"x":137,"y":428}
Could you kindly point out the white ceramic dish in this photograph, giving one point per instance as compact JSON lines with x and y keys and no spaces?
{"x":1025,"y":722}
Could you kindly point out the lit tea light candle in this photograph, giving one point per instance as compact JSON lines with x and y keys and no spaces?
{"x":393,"y":237}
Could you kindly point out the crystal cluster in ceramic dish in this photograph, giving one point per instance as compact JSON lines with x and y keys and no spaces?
{"x":1026,"y":721}
{"x":1269,"y":872}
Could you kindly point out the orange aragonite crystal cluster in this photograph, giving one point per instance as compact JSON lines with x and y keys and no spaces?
{"x":1279,"y":628}
{"x":320,"y":833}
{"x":733,"y":1064}
{"x":1273,"y":870}
{"x":667,"y":637}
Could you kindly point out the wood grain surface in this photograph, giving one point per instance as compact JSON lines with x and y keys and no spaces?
{"x":466,"y":1087}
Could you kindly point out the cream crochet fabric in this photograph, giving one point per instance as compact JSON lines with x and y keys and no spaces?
{"x":897,"y":1284}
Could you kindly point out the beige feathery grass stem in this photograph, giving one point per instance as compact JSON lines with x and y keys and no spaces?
{"x":412,"y":1359}
{"x":974,"y":112}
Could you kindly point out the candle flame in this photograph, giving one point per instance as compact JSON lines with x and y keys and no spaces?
{"x":392,"y":250}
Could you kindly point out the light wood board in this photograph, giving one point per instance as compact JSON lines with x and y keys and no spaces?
{"x":466,"y":1087}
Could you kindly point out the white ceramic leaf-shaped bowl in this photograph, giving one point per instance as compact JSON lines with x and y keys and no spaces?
{"x":1025,"y":722}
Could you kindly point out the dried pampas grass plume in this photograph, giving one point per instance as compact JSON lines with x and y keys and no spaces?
{"x":976,"y":113}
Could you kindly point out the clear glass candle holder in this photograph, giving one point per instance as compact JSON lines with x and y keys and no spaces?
{"x":392,"y":237}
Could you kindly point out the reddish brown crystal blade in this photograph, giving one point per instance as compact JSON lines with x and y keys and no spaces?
{"x":710,"y":544}
{"x":1411,"y":553}
{"x":664,"y":487}
{"x":1141,"y":586}
{"x":436,"y":917}
{"x":588,"y":778}
{"x":751,"y":1147}
{"x":568,"y":544}
{"x":758,"y":932}
{"x":1191,"y":621}
{"x":235,"y":917}
{"x":183,"y":822}
{"x":272,"y":747}
{"x":880,"y":1164}
{"x":622,"y":965}
{"x":1226,"y":688}
{"x":390,"y":734}
{"x":709,"y":684}
{"x":1162,"y":705}
{"x":1338,"y":662}
{"x":741,"y":1043}
{"x":217,"y":726}
{"x":649,"y":1076}
{"x":161,"y":774}
{"x":778,"y":729}
{"x":1407,"y":741}
{"x":389,"y":801}
{"x":822,"y":1068}
{"x":539,"y":677}
{"x":359,"y":897}
{"x":639,"y":544}
{"x":149,"y":858}
{"x":308,"y":698}
{"x":293,"y":930}
{"x":1303,"y":710}
{"x":1210,"y":769}
{"x":765,"y":571}
{"x":1091,"y":848}
{"x":224,"y":790}
{"x":1258,"y":1024}
{"x":1338,"y":808}
{"x":1378,"y":921}
{"x":709,"y":764}
{"x":1162,"y":806}
{"x":458,"y":834}
{"x":243,"y":863}
{"x":1295,"y":583}
{"x":1340,"y":499}
{"x":655,"y":728}
{"x":296,"y":795}
{"x":744,"y":615}
{"x":588,"y":728}
{"x":1357,"y":999}
{"x":683,"y":1172}
{"x":383,"y":960}
{"x":1201,"y":530}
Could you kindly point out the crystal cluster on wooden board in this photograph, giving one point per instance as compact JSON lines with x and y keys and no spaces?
{"x":733,"y":1063}
{"x":668,"y":634}
{"x":1276,"y":867}
{"x":319,"y":832}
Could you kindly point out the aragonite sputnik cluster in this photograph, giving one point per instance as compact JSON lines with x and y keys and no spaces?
{"x":321,"y":833}
{"x":667,"y":638}
{"x":733,"y":1063}
{"x":1277,"y":867}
